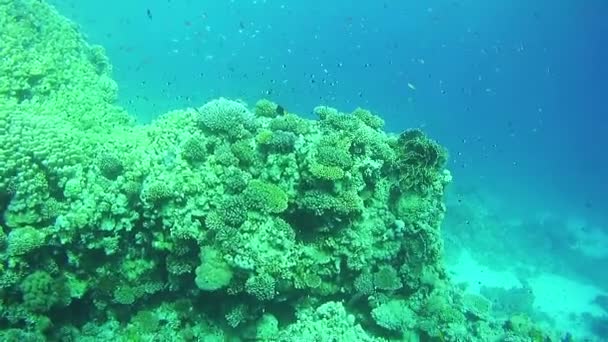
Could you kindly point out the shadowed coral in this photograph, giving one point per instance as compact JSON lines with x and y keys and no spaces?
{"x":110,"y":166}
{"x":364,"y":284}
{"x":41,"y":292}
{"x":236,"y":315}
{"x":125,"y":295}
{"x":261,"y":286}
{"x":244,"y":151}
{"x":387,"y":278}
{"x":321,"y":203}
{"x":156,"y":192}
{"x":282,"y":142}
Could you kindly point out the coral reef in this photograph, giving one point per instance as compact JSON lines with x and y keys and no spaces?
{"x":213,"y":222}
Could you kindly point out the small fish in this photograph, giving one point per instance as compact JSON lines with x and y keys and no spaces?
{"x":280,"y":110}
{"x":149,"y":13}
{"x":411,"y":86}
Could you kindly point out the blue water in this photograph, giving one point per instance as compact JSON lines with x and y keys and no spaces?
{"x":513,"y":89}
{"x":516,"y":90}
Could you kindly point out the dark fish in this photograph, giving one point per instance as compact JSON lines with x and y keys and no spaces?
{"x":280,"y":110}
{"x":149,"y":13}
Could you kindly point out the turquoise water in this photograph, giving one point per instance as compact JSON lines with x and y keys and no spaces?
{"x":514,"y":90}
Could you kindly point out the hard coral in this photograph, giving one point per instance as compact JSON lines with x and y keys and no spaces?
{"x":194,"y":149}
{"x":395,"y":315}
{"x":419,"y":162}
{"x":41,"y":292}
{"x":281,"y":142}
{"x":324,"y":172}
{"x":225,"y":117}
{"x":266,"y":108}
{"x":290,"y":123}
{"x":267,"y":214}
{"x":324,"y":204}
{"x":265,"y":197}
{"x":213,"y":273}
{"x":261,"y":287}
{"x":233,"y":211}
{"x":21,"y":241}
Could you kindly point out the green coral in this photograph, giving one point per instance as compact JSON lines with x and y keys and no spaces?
{"x":41,"y":292}
{"x":157,"y":192}
{"x":235,"y":180}
{"x":262,"y":287}
{"x":325,"y":323}
{"x":213,"y":273}
{"x":266,"y":108}
{"x":371,"y":120}
{"x":324,"y":172}
{"x":266,"y":214}
{"x":233,"y":211}
{"x":331,"y":159}
{"x":267,"y":328}
{"x":265,"y":197}
{"x":420,"y":161}
{"x":224,"y":155}
{"x":331,"y":155}
{"x":21,"y":241}
{"x":411,"y":206}
{"x":322,"y":203}
{"x":146,"y":321}
{"x":125,"y":295}
{"x":226,"y":117}
{"x":387,"y":278}
{"x":290,"y":123}
{"x":110,"y":165}
{"x":263,"y":137}
{"x":364,"y":283}
{"x":333,"y":120}
{"x":194,"y":150}
{"x":244,"y":151}
{"x":395,"y":315}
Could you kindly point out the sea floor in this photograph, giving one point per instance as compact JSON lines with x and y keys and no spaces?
{"x":550,"y":266}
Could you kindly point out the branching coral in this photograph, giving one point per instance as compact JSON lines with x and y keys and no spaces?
{"x":266,"y":197}
{"x":226,"y":117}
